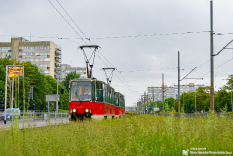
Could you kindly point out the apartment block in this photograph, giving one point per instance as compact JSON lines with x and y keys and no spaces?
{"x":44,"y":54}
{"x":170,"y":92}
{"x":65,"y":69}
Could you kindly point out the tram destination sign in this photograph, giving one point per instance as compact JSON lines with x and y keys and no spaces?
{"x":15,"y":71}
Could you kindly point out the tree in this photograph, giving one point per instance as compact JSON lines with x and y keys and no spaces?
{"x":69,"y":76}
{"x":32,"y":76}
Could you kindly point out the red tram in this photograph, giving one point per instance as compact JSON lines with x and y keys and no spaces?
{"x":94,"y":99}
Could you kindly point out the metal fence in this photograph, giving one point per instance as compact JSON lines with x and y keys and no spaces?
{"x":130,"y":109}
{"x":31,"y":115}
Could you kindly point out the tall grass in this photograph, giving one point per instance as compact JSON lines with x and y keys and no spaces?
{"x":132,"y":135}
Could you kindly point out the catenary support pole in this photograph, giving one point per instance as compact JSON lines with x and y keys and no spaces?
{"x":178,"y":82}
{"x":211,"y":58}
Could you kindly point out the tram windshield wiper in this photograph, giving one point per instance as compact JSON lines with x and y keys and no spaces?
{"x":78,"y":97}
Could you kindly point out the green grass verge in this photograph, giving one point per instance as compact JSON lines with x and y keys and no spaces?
{"x":132,"y":135}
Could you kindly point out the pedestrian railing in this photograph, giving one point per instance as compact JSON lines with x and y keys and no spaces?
{"x":31,"y":115}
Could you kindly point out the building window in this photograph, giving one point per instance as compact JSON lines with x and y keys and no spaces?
{"x":23,"y":53}
{"x":47,"y":47}
{"x":48,"y":53}
{"x":41,"y":47}
{"x":20,"y":53}
{"x":36,"y":47}
{"x":41,"y":65}
{"x":27,"y":47}
{"x":27,"y":53}
{"x":3,"y":48}
{"x":31,"y":53}
{"x":47,"y":59}
{"x":37,"y":53}
{"x":41,"y":53}
{"x":37,"y":59}
{"x":27,"y":59}
{"x":45,"y":53}
{"x":31,"y":47}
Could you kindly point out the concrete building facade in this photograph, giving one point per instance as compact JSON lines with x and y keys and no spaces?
{"x":45,"y":54}
{"x":65,"y":69}
{"x":170,"y":92}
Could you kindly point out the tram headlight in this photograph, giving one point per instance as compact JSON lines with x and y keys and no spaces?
{"x":74,"y":110}
{"x":86,"y":110}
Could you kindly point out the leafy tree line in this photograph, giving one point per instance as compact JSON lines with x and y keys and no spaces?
{"x":222,"y":99}
{"x":43,"y":84}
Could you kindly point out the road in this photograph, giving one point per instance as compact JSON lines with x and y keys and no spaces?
{"x":33,"y":124}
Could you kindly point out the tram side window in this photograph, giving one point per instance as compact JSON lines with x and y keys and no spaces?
{"x":105,"y":93}
{"x":121,"y":101}
{"x":113,"y":97}
{"x":93,"y":91}
{"x":99,"y":92}
{"x":109,"y":95}
{"x":117,"y":99}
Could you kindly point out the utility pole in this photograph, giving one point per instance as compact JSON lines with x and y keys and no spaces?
{"x":163,"y":90}
{"x":211,"y":58}
{"x":178,"y":82}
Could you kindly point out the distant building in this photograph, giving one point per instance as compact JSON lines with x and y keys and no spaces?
{"x":45,"y":54}
{"x":65,"y":69}
{"x":170,"y":92}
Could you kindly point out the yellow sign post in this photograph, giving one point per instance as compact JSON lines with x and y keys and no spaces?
{"x":15,"y":71}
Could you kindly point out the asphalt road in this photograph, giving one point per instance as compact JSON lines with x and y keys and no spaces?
{"x":33,"y":124}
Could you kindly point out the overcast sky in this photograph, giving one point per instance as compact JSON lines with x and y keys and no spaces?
{"x":162,"y":24}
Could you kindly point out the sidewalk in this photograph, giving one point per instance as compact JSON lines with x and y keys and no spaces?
{"x":40,"y":123}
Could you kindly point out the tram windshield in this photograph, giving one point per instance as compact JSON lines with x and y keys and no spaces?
{"x":81,"y":91}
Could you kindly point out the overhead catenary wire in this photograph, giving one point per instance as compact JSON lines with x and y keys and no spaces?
{"x":77,"y":33}
{"x":72,"y":19}
{"x":66,"y":21}
{"x":135,"y":36}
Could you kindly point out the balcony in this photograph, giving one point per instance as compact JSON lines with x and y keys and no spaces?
{"x":58,"y":59}
{"x":57,"y":70}
{"x":57,"y":65}
{"x":58,"y":52}
{"x":57,"y":76}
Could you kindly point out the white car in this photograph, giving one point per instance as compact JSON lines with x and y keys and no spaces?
{"x":11,"y":112}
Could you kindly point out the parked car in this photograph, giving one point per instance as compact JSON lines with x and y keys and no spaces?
{"x":11,"y":112}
